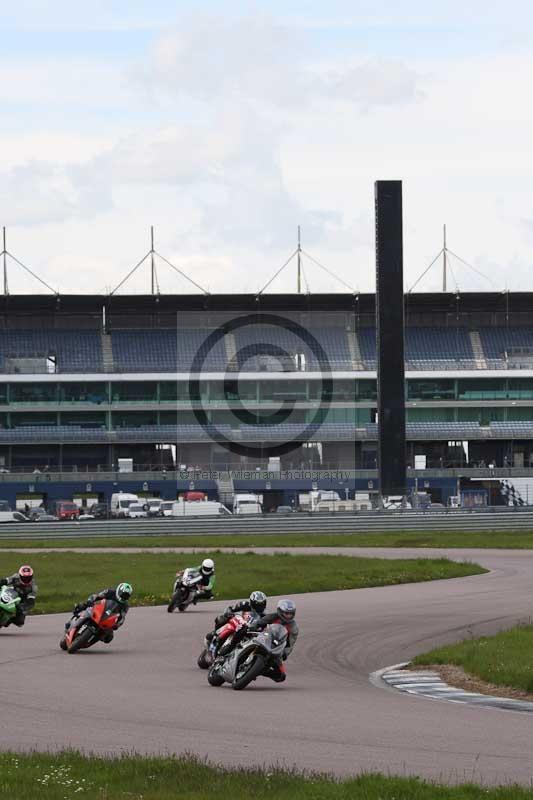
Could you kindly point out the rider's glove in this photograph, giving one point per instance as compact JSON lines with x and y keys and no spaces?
{"x":78,"y":608}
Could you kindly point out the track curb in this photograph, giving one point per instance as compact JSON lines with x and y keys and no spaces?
{"x":429,"y":684}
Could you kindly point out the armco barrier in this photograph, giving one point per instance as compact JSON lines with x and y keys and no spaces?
{"x":364,"y":522}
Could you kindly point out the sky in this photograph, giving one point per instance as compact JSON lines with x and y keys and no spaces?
{"x":227,"y":125}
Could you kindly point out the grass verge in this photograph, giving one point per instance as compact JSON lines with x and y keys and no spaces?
{"x":505,"y":659}
{"x":64,"y":578}
{"x":513,"y":541}
{"x":69,"y":775}
{"x":510,"y":540}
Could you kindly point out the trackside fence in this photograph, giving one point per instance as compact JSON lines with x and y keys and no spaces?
{"x":496,"y":520}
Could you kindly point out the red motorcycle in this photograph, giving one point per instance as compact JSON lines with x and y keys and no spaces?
{"x":228,"y":636}
{"x":95,"y":624}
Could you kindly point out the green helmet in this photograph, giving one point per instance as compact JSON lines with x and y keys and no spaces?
{"x":124,"y":592}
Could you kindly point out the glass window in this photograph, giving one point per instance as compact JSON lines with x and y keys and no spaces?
{"x":36,"y":418}
{"x":134,"y":419}
{"x":85,"y":419}
{"x":430,"y":414}
{"x":521,"y":413}
{"x":83,"y":392}
{"x":367,"y":389}
{"x":482,"y":389}
{"x":33,"y":392}
{"x":279,"y":390}
{"x":441,"y":389}
{"x":134,"y":391}
{"x":520,"y":388}
{"x":484,"y":415}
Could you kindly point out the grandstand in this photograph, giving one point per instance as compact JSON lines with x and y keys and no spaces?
{"x":87,"y":380}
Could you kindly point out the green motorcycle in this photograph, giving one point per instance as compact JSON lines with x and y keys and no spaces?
{"x":9,"y":601}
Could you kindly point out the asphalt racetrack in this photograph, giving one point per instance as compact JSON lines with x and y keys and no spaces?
{"x":144,"y":692}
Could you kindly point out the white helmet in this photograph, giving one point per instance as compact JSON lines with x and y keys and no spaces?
{"x":208,"y":566}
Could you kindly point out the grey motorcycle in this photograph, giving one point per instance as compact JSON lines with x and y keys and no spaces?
{"x":259,"y":651}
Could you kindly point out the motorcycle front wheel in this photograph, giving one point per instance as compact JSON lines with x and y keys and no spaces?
{"x":246,"y":675}
{"x":204,"y":659}
{"x":82,"y":640}
{"x":214,"y":678}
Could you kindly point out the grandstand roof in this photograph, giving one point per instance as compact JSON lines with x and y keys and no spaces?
{"x":364,"y":303}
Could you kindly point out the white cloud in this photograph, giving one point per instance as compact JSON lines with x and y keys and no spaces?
{"x":250,"y":131}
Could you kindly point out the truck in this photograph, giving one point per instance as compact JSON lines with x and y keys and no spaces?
{"x":64,"y":509}
{"x":120,"y":501}
{"x":247,"y":504}
{"x":205,"y":508}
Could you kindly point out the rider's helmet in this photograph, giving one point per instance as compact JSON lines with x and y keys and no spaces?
{"x":26,"y":574}
{"x":124,"y":592}
{"x":208,"y":566}
{"x":286,"y":610}
{"x":258,"y":601}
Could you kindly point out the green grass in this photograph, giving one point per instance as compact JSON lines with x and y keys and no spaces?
{"x":517,"y":540}
{"x":505,"y":659}
{"x":69,"y":775}
{"x":64,"y":578}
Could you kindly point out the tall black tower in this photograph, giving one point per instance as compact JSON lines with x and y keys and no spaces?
{"x":390,"y":337}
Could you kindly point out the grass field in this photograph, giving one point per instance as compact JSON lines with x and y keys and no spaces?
{"x":64,"y":578}
{"x":518,"y":540}
{"x":68,"y":776}
{"x":504,"y":660}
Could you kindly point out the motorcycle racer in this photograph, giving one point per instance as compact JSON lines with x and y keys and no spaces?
{"x":254,"y":606}
{"x":283,"y":615}
{"x":206,"y":580}
{"x":121,"y":595}
{"x":24,"y":584}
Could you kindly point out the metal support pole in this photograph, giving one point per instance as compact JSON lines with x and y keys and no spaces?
{"x":299,"y":251}
{"x":444,"y":266}
{"x":4,"y":253}
{"x":152,"y":251}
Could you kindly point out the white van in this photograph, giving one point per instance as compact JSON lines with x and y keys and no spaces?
{"x":12,"y":516}
{"x":247,"y":504}
{"x":120,"y":502}
{"x":205,"y":508}
{"x":136,"y":511}
{"x":166,"y":508}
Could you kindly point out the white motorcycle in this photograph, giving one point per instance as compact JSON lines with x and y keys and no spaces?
{"x":185,"y":590}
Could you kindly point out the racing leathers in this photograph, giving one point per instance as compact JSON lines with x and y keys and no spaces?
{"x":242,"y":606}
{"x":277,"y":671}
{"x":205,"y":584}
{"x":105,"y":594}
{"x":27,"y":593}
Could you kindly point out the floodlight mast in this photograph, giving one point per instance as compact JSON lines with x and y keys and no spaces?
{"x":4,"y":254}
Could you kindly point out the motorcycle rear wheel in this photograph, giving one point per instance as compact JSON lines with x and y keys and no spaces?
{"x":253,"y":672}
{"x":81,"y":640}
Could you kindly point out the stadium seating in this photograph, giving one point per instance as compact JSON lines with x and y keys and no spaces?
{"x":329,"y":431}
{"x":164,"y":351}
{"x":73,"y":351}
{"x":257,"y":341}
{"x":168,"y":350}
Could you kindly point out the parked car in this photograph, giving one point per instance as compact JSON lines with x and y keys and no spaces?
{"x":284,"y":510}
{"x":136,"y":511}
{"x":64,"y":509}
{"x":41,"y":515}
{"x":153,"y":506}
{"x":99,"y":511}
{"x":12,"y":516}
{"x":166,"y":508}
